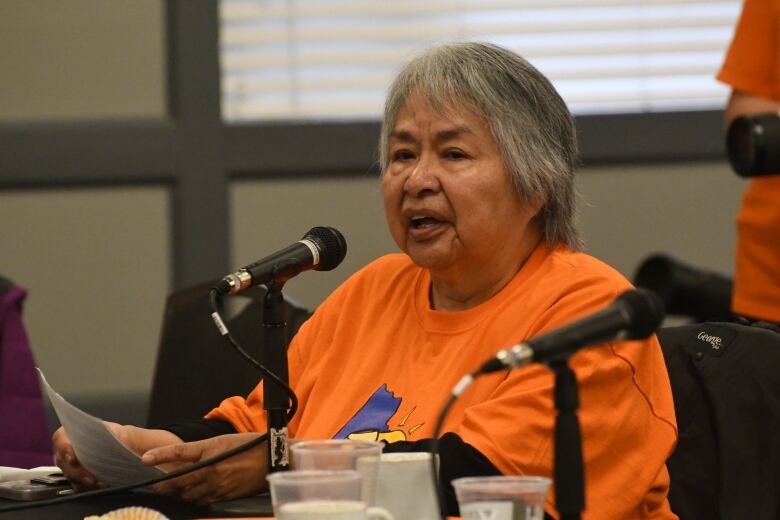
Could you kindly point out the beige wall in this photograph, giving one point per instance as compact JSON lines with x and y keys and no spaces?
{"x":96,"y":265}
{"x":268,"y":215}
{"x":95,"y":261}
{"x":686,"y":210}
{"x":81,"y":59}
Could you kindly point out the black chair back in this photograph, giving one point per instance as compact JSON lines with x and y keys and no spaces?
{"x":196,"y":367}
{"x":726,"y":385}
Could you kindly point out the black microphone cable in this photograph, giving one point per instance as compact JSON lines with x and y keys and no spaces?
{"x":136,"y":485}
{"x":225,"y":332}
{"x":461,"y":387}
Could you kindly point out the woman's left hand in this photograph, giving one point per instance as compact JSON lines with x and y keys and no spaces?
{"x":238,"y":476}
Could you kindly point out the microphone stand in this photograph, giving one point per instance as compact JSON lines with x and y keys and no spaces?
{"x":568,"y":471}
{"x":275,"y":400}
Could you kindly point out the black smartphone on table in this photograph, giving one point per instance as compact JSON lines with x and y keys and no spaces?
{"x":49,"y":486}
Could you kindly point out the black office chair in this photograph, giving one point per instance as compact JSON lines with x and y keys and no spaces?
{"x":725,"y":380}
{"x":686,"y":290}
{"x":196,"y":368}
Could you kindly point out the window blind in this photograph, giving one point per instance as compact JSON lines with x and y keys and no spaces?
{"x":335,"y":59}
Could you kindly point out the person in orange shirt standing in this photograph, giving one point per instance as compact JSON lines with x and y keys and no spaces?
{"x":752,"y":69}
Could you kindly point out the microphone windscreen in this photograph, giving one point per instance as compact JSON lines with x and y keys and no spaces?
{"x":645,"y":310}
{"x":332,"y":246}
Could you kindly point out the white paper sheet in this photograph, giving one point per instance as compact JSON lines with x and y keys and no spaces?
{"x":96,"y":446}
{"x":11,"y":473}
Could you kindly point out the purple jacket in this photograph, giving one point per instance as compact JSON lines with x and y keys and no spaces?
{"x":24,"y":433}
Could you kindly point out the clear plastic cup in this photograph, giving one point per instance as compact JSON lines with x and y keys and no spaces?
{"x":321,"y":495}
{"x":501,"y":497}
{"x":334,"y":454}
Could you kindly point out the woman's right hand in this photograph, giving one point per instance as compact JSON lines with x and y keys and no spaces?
{"x":138,"y":440}
{"x":65,"y":458}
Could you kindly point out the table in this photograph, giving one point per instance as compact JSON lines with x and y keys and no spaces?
{"x":252,"y":507}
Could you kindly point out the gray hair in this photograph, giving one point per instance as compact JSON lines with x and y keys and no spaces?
{"x":529,"y":121}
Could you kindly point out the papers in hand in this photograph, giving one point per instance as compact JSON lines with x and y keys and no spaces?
{"x":96,"y":447}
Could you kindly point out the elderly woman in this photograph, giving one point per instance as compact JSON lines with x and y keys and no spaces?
{"x":478,"y":154}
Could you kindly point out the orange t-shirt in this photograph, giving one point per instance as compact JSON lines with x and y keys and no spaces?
{"x":376,"y":361}
{"x":752,"y":66}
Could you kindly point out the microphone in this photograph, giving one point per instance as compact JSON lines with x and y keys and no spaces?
{"x":635,"y":314}
{"x":321,"y":249}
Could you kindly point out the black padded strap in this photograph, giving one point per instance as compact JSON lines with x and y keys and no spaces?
{"x":199,"y":430}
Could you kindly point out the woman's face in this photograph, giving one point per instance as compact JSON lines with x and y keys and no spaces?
{"x":449,"y":198}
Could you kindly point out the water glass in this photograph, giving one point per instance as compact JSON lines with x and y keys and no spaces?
{"x":501,"y":497}
{"x":321,"y":495}
{"x":334,"y":454}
